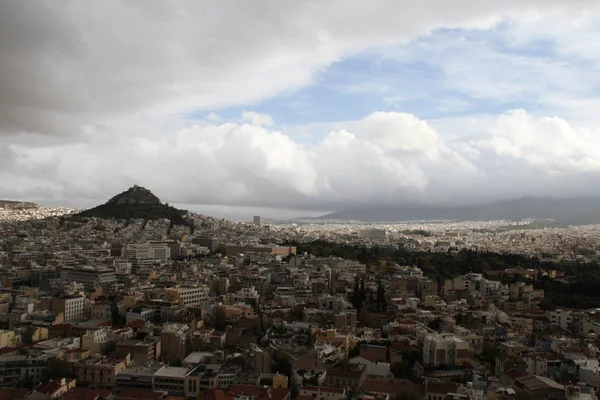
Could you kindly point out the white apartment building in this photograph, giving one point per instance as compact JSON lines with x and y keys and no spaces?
{"x":97,"y":341}
{"x":348,"y":266}
{"x":123,"y":267}
{"x":445,"y":349}
{"x":560,"y":318}
{"x":479,"y":286}
{"x":540,"y":364}
{"x":286,"y":300}
{"x":189,"y":297}
{"x":475,"y":341}
{"x":148,"y":251}
{"x":408,"y":272}
{"x":247,"y":293}
{"x":145,"y":314}
{"x":70,"y":306}
{"x":90,"y":277}
{"x":476,"y":284}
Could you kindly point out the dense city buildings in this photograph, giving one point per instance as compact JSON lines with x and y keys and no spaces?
{"x":214,"y":309}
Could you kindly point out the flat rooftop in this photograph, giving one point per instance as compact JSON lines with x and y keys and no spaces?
{"x":142,"y":369}
{"x":173,"y":372}
{"x":197,"y":357}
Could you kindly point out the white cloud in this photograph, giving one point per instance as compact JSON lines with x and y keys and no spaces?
{"x":548,"y":142}
{"x":213,"y":117}
{"x":542,"y":62}
{"x":257,"y":119}
{"x":70,"y":64}
{"x":384,"y":157}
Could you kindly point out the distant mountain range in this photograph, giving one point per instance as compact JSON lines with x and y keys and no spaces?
{"x":138,"y":203}
{"x":575,"y":211}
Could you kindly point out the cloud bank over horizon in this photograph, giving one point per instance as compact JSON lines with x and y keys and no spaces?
{"x":299,"y":106}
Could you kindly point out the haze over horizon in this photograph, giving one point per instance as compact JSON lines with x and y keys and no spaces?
{"x":289,"y":109}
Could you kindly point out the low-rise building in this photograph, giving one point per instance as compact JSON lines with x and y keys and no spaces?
{"x":171,"y":380}
{"x":99,"y":372}
{"x":138,"y":376}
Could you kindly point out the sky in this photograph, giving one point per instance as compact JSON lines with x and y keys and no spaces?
{"x":296,"y":108}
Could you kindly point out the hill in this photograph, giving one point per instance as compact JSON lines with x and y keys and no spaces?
{"x":135,"y":195}
{"x":574,"y":211}
{"x":11,"y":204}
{"x":138,"y":203}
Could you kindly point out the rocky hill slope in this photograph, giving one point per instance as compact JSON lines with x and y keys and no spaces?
{"x":17,"y":205}
{"x":137,"y":203}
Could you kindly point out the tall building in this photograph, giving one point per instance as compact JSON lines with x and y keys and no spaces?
{"x":257,"y":220}
{"x":70,"y":306}
{"x":445,"y":349}
{"x":102,"y":310}
{"x":173,"y":342}
{"x":221,"y":285}
{"x":41,"y":276}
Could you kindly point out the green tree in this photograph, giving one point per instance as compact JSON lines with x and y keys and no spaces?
{"x":381,"y":301}
{"x":489,"y":353}
{"x":436,"y":324}
{"x":357,"y":295}
{"x":282,"y":362}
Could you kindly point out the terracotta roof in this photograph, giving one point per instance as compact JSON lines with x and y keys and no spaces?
{"x":406,"y":322}
{"x":534,"y":382}
{"x":138,"y":323}
{"x":392,"y":386}
{"x":81,"y":393}
{"x":259,"y":392}
{"x":12,"y":393}
{"x":218,"y":394}
{"x":139,"y":395}
{"x":49,"y":388}
{"x":6,"y":350}
{"x":513,"y":374}
{"x":61,"y":326}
